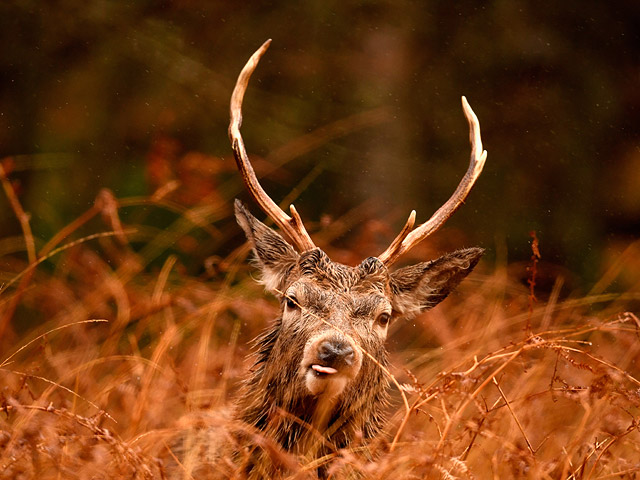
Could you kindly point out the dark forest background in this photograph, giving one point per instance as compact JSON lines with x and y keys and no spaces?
{"x":358,"y":103}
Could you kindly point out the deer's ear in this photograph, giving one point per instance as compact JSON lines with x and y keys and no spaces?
{"x":420,"y":287}
{"x":275,"y":257}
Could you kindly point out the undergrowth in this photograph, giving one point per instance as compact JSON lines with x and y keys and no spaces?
{"x":121,"y":354}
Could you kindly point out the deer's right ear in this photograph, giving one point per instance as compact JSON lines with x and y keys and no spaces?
{"x":275,"y":257}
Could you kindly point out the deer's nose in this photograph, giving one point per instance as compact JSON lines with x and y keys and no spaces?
{"x":334,"y":352}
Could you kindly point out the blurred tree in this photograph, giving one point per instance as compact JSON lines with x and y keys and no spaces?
{"x":87,"y":88}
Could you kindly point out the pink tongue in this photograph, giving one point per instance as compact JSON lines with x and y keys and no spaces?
{"x":321,"y":369}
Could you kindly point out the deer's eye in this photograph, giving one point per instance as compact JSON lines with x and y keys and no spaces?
{"x":291,"y":302}
{"x":383,"y":319}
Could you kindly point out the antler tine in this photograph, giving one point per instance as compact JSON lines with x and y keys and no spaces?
{"x":407,"y":238}
{"x":292,"y":227}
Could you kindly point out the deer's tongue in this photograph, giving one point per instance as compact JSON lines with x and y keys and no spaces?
{"x":323,"y":369}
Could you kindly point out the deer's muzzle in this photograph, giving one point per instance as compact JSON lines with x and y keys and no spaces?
{"x":329,"y":363}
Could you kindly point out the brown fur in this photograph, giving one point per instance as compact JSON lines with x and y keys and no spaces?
{"x":308,"y":414}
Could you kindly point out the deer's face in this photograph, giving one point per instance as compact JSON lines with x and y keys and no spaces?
{"x":343,"y":314}
{"x":335,"y":318}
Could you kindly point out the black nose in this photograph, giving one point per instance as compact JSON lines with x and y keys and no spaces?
{"x":334,"y":352}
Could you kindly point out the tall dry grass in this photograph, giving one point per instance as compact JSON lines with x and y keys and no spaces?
{"x":120,"y":355}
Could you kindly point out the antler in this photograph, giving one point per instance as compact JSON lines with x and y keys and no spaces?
{"x":408,"y":237}
{"x":291,"y":226}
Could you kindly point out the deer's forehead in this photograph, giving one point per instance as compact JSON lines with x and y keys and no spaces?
{"x":355,"y":302}
{"x":317,"y":270}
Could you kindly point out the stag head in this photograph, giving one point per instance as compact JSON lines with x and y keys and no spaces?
{"x":322,"y":364}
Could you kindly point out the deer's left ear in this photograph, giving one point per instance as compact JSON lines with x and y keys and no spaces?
{"x":420,"y":287}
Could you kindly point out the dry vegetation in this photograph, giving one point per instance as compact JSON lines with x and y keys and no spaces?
{"x":117,"y":361}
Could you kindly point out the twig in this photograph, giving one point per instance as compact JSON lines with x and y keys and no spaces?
{"x":21,"y":215}
{"x":58,"y":385}
{"x":6,"y":360}
{"x":533,"y":269}
{"x":513,"y":414}
{"x":23,"y":218}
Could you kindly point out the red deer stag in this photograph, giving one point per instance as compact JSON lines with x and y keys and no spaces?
{"x":319,"y":382}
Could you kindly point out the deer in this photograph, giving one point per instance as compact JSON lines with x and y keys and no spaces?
{"x":319,"y":382}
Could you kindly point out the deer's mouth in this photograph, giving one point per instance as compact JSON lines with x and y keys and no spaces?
{"x":329,"y":363}
{"x":322,"y":371}
{"x":326,"y":381}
